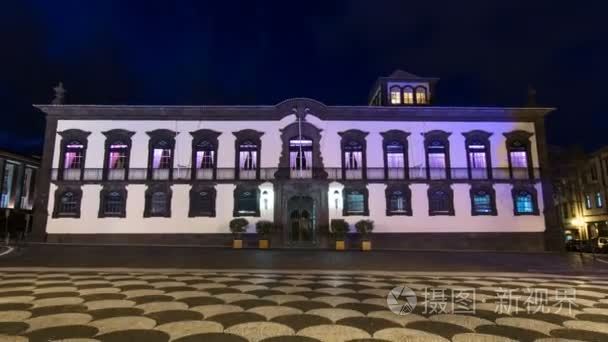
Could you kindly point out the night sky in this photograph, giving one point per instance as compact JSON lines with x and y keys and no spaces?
{"x":262,"y":52}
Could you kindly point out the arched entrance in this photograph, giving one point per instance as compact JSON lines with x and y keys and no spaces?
{"x":301,"y":225}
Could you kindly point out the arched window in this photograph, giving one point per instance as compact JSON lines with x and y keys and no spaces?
{"x":408,"y":95}
{"x":421,"y":97}
{"x":440,"y":200}
{"x":67,"y":202}
{"x":477,"y":145}
{"x":246,"y":202}
{"x":300,"y":157}
{"x":113,"y":202}
{"x":398,"y":200}
{"x":524,"y":201}
{"x":202,"y":202}
{"x":162,"y":144}
{"x":483,"y":201}
{"x":353,"y":155}
{"x":117,"y":153}
{"x":395,"y":95}
{"x":204,"y":154}
{"x":518,"y":149}
{"x":437,"y":154}
{"x":73,"y":153}
{"x":394,"y":143}
{"x":248,"y":147}
{"x":158,"y":201}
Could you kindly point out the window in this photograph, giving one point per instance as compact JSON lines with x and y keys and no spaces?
{"x":353,"y":146}
{"x":394,"y":143}
{"x":7,"y":197}
{"x":74,"y":155}
{"x":421,"y":95}
{"x":202,"y":202}
{"x":437,"y":154}
{"x":248,"y":147}
{"x":113,"y":202}
{"x":353,"y":155}
{"x":398,"y":200}
{"x":483,"y":201}
{"x":67,"y":202}
{"x":158,"y":201}
{"x":27,"y":194}
{"x":395,"y":95}
{"x":440,"y":200}
{"x":524,"y":201}
{"x":408,"y":95}
{"x":355,"y":202}
{"x":478,"y":148}
{"x":599,"y":201}
{"x":246,"y":202}
{"x":300,"y":154}
{"x":204,"y":154}
{"x":588,"y":203}
{"x":518,"y":150}
{"x":117,"y":158}
{"x":248,"y":155}
{"x":161,"y":147}
{"x":73,"y":152}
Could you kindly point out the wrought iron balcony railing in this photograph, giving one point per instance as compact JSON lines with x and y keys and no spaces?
{"x":331,"y":173}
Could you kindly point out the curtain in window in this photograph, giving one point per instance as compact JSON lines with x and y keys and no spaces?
{"x":437,"y":160}
{"x":477,"y":160}
{"x":205,"y":159}
{"x":248,"y":160}
{"x":397,"y":202}
{"x":352,"y":159}
{"x":395,"y":95}
{"x":519,"y":159}
{"x":408,"y":96}
{"x":482,"y":203}
{"x":156,"y":158}
{"x":395,"y":160}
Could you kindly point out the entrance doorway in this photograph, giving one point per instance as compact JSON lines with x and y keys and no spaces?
{"x":301,"y":221}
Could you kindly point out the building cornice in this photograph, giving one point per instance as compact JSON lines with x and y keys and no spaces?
{"x":288,"y":107}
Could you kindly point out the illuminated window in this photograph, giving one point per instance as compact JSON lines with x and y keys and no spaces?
{"x":7,"y":197}
{"x":599,"y":201}
{"x":205,"y":155}
{"x":161,"y":155}
{"x":74,"y":153}
{"x":482,"y":201}
{"x":408,"y":95}
{"x":588,"y":203}
{"x":395,"y":155}
{"x":524,"y":201}
{"x":248,"y":152}
{"x":117,"y":157}
{"x":395,"y":95}
{"x":398,"y":200}
{"x":300,"y":154}
{"x":355,"y":202}
{"x":421,"y":95}
{"x":353,"y":155}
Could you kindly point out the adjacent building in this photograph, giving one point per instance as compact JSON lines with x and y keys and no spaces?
{"x":17,"y":191}
{"x":428,"y":176}
{"x":581,"y":185}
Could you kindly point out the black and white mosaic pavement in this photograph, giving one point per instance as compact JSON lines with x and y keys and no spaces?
{"x":198,"y":305}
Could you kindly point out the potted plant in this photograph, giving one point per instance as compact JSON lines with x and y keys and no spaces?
{"x":238,"y":226}
{"x":365,"y":228}
{"x":264,"y":228}
{"x":339,"y":228}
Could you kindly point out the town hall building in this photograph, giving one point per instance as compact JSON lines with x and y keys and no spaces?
{"x":430,"y":177}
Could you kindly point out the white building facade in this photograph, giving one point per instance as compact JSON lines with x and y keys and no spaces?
{"x":428,"y":176}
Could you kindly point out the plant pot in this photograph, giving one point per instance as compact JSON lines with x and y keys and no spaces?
{"x":340,"y":245}
{"x":366,"y":245}
{"x":264,"y":244}
{"x":237,"y":243}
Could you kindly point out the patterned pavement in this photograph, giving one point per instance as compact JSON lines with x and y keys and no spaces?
{"x":198,"y":305}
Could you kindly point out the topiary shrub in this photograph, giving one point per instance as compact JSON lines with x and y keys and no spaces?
{"x":238,"y":226}
{"x":365,"y":228}
{"x":339,"y":228}
{"x":264,"y":228}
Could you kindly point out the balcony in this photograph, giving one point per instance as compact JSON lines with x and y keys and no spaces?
{"x":229,"y":174}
